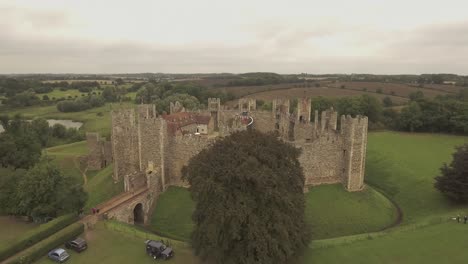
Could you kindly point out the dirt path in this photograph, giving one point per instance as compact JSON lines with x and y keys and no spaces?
{"x":83,"y":172}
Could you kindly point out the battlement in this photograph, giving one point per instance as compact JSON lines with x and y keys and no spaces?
{"x":214,"y":104}
{"x":147,"y":111}
{"x":247,"y":104}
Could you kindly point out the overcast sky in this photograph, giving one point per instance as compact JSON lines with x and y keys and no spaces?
{"x":293,"y":36}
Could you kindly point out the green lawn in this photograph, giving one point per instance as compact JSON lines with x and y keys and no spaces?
{"x":106,"y":246}
{"x":100,"y":185}
{"x":330,"y":210}
{"x":11,"y":228}
{"x":441,"y":243}
{"x":173,"y":214}
{"x":404,"y":166}
{"x":67,"y":158}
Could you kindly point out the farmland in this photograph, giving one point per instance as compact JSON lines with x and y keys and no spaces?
{"x":318,"y":91}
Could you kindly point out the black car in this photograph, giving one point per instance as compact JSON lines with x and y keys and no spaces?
{"x":78,"y":244}
{"x":157,"y":250}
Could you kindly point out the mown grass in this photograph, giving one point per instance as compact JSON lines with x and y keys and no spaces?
{"x":172,"y":216}
{"x":101,"y":187}
{"x":66,"y":157}
{"x":404,"y":166}
{"x":440,"y":243}
{"x":330,"y":210}
{"x":107,"y":246}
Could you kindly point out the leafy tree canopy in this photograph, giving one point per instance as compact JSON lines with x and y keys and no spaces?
{"x":248,"y":190}
{"x":453,"y":181}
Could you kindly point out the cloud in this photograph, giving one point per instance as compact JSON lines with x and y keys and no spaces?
{"x":63,"y":36}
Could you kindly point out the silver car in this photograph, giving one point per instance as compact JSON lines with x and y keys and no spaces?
{"x":58,"y":255}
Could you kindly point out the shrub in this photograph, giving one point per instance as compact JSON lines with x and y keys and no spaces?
{"x":32,"y":237}
{"x":42,"y":248}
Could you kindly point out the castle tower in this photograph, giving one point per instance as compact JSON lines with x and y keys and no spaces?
{"x":214,"y":106}
{"x":247,"y":104}
{"x":152,"y":132}
{"x":124,"y":143}
{"x":304,"y":109}
{"x":354,"y":131}
{"x":329,"y":120}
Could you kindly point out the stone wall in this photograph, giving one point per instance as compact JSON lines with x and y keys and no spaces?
{"x":124,"y":143}
{"x":180,"y":150}
{"x":100,"y":152}
{"x":321,"y":159}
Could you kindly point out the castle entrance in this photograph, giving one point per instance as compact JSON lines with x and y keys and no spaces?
{"x":138,"y":214}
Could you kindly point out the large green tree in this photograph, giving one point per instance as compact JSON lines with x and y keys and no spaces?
{"x":45,"y":192}
{"x":453,"y":181}
{"x":248,"y":190}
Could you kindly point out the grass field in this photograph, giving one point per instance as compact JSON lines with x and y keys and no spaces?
{"x":441,"y":243}
{"x":57,"y":94}
{"x":66,"y":158}
{"x":330,"y":210}
{"x":111,"y":247}
{"x":387,"y":88}
{"x":100,"y":185}
{"x":318,"y":91}
{"x":11,"y":228}
{"x":94,"y":120}
{"x":173,"y":214}
{"x":404,"y":165}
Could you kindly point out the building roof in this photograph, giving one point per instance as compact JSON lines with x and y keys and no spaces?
{"x":177,"y":121}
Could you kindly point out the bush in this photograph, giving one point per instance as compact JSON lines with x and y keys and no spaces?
{"x":42,"y":248}
{"x":32,"y":237}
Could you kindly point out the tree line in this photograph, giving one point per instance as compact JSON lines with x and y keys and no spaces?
{"x":30,"y":183}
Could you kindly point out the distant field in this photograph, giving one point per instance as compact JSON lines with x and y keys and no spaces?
{"x":94,"y":120}
{"x":241,"y":91}
{"x":444,"y":87}
{"x":70,"y":81}
{"x":57,"y":94}
{"x":318,"y":91}
{"x":387,"y":88}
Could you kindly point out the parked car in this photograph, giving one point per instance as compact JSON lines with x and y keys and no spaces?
{"x":79,"y":244}
{"x":157,"y":250}
{"x":58,"y":255}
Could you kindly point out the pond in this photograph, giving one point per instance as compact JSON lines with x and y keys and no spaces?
{"x":64,"y":122}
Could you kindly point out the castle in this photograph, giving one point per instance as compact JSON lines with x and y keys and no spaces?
{"x":144,"y":142}
{"x":149,"y":149}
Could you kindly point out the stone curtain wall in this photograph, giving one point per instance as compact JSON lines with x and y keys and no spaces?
{"x":322,"y":159}
{"x":124,"y":143}
{"x":180,"y":150}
